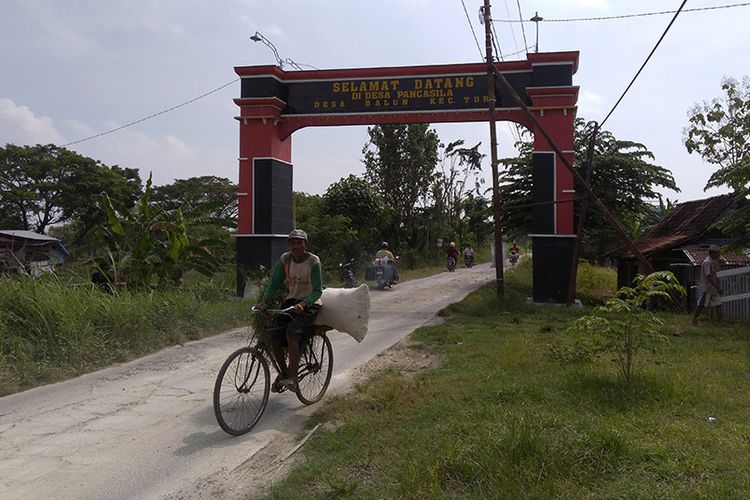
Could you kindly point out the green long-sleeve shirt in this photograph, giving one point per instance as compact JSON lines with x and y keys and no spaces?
{"x":304,"y":278}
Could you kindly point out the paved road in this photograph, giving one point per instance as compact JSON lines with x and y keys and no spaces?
{"x":146,"y":429}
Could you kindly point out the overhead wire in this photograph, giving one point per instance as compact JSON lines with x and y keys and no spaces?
{"x":677,"y":13}
{"x":479,"y":48}
{"x":496,"y":43}
{"x":512,"y":31}
{"x":623,"y":16}
{"x":523,"y":30}
{"x":140,"y":120}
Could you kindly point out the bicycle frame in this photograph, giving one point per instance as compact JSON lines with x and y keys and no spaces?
{"x":307,"y":354}
{"x":243,"y":383}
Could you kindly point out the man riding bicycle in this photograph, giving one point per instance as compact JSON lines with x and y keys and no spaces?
{"x":304,"y":277}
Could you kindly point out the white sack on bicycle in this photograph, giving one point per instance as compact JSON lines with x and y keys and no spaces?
{"x":346,"y":310}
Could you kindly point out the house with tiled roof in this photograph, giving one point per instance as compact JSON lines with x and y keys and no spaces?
{"x":679,"y":243}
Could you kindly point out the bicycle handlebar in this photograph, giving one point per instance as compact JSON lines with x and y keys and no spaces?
{"x":273,"y":311}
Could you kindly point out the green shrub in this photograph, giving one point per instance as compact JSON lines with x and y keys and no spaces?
{"x":622,"y":327}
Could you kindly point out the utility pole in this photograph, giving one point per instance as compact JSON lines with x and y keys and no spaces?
{"x":500,"y":281}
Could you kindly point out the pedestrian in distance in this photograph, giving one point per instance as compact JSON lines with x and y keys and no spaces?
{"x":709,"y":290}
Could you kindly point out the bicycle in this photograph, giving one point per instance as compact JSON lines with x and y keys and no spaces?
{"x":243,"y":384}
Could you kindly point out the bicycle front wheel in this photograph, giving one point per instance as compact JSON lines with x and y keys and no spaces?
{"x":241,"y":391}
{"x":315,"y":368}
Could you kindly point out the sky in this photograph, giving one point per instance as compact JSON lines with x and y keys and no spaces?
{"x":76,"y":68}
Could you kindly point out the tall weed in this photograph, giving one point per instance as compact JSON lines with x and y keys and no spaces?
{"x":51,"y":328}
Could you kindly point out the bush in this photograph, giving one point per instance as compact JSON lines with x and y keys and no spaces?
{"x":622,"y":327}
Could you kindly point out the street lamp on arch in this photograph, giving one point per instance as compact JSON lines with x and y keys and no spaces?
{"x":258,"y":37}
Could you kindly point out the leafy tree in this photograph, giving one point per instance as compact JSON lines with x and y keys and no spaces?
{"x":478,"y":218}
{"x":624,"y":179}
{"x":47,"y":185}
{"x":214,"y":195}
{"x":400,"y":161}
{"x":331,"y":235}
{"x":719,"y":131}
{"x":457,"y":176}
{"x":354,"y":198}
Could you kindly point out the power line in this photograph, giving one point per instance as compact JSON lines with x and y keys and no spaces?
{"x":521,"y":51}
{"x":512,"y":31}
{"x":677,"y":13}
{"x":520,"y":17}
{"x":479,"y":48}
{"x":153,"y":115}
{"x":624,"y":16}
{"x":496,"y":43}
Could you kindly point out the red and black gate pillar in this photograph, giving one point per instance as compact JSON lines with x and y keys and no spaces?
{"x":265,"y":214}
{"x":553,"y":237}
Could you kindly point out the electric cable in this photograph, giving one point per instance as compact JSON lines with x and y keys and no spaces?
{"x":523,"y":30}
{"x":152,"y":115}
{"x":512,"y":31}
{"x":677,"y":13}
{"x":496,"y":43}
{"x":624,"y":16}
{"x":479,"y":48}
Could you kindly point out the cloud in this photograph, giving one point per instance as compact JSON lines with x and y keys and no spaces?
{"x":596,"y":4}
{"x":19,"y":125}
{"x":167,"y":157}
{"x":590,"y":105}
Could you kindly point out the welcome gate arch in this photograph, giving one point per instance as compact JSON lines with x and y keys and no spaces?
{"x":274,"y":103}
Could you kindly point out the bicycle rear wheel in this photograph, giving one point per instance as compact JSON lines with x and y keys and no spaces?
{"x":315,"y":368}
{"x":241,"y":391}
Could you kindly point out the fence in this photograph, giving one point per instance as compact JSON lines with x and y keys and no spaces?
{"x":735,"y":283}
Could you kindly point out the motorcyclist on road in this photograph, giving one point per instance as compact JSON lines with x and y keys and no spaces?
{"x":384,"y":253}
{"x":514,"y":253}
{"x":452,"y":252}
{"x":468,"y":255}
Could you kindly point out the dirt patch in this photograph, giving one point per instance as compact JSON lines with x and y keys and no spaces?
{"x":257,"y":475}
{"x":408,"y":356}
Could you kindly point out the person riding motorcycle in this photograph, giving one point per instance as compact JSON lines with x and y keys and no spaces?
{"x":452,"y":252}
{"x":514,"y":252}
{"x":468,"y":256}
{"x":384,"y":253}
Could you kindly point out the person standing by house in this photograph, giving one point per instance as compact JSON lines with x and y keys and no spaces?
{"x":708,"y":286}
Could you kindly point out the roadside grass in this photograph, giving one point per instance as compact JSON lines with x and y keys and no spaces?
{"x":54,"y":328}
{"x":595,"y":284}
{"x":499,"y":419}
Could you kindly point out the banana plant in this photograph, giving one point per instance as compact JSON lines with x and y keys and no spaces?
{"x":148,"y":246}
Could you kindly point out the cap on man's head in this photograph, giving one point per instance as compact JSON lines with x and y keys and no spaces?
{"x":714,"y":248}
{"x":297,"y":234}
